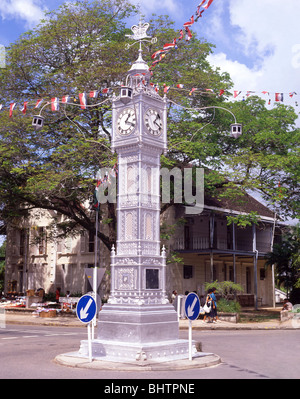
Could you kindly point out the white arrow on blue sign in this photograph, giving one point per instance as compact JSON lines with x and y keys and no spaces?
{"x":86,"y":308}
{"x":192,"y":306}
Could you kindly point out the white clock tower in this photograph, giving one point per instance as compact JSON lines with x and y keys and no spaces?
{"x":138,"y":323}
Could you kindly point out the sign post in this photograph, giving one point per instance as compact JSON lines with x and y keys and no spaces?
{"x":192,"y":310}
{"x":86,"y":311}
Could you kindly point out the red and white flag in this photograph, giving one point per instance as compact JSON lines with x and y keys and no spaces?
{"x":181,"y":34}
{"x":166,"y":88}
{"x":93,"y":94}
{"x":190,"y":22}
{"x":168,"y":46}
{"x":154,"y":55}
{"x":107,"y":90}
{"x":38,"y":103}
{"x":24,"y":109}
{"x":188,"y":35}
{"x":65,"y":99}
{"x":278,"y":96}
{"x":82,"y":99}
{"x":208,"y":4}
{"x":236,"y":93}
{"x":54,"y":104}
{"x":11,"y":108}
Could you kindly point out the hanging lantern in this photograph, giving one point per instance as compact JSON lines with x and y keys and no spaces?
{"x":126,"y":95}
{"x":38,"y":122}
{"x":236,"y":130}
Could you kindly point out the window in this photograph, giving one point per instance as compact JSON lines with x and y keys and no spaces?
{"x":41,"y":240}
{"x":91,"y":241}
{"x":152,"y":280}
{"x":187,"y":271}
{"x":262,"y":274}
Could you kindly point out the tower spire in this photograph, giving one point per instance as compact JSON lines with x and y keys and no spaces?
{"x":139,"y":36}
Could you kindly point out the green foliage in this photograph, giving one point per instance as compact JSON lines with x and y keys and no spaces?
{"x":243,"y":220}
{"x":224,"y":288}
{"x":228,"y":306}
{"x":286,"y":258}
{"x":81,"y":47}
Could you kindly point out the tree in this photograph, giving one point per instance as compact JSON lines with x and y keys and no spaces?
{"x":265,"y":158}
{"x":75,"y":50}
{"x":2,"y":266}
{"x":72,"y":51}
{"x":286,"y":258}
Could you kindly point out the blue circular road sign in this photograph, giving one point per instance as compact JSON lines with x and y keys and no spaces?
{"x":86,"y":309}
{"x":192,"y":306}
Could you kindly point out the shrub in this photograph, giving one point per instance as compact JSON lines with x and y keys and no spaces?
{"x":228,"y":306}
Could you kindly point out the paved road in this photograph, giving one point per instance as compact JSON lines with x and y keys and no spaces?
{"x":28,"y":351}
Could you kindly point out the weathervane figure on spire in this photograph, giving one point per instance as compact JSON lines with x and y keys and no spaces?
{"x":140,"y":34}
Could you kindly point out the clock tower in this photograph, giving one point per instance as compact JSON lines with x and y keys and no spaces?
{"x":138,"y":323}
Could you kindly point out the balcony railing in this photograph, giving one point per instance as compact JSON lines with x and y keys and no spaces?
{"x":201,"y":242}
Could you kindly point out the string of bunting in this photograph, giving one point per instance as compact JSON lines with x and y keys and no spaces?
{"x":278,"y":97}
{"x":158,"y":57}
{"x":160,"y":54}
{"x":83,"y":97}
{"x":55,"y":101}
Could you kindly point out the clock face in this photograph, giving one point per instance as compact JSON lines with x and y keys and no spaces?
{"x":153,"y":122}
{"x":126,"y":121}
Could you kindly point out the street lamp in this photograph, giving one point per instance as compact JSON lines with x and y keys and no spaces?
{"x":38,"y":121}
{"x":236,"y":130}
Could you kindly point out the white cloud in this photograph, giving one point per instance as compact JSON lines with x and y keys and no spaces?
{"x":30,"y":11}
{"x":265,"y":46}
{"x":243,"y":77}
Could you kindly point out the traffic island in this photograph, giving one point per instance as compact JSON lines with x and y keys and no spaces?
{"x":199,"y":360}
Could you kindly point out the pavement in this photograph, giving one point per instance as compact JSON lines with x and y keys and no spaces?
{"x":24,"y":317}
{"x":199,"y":360}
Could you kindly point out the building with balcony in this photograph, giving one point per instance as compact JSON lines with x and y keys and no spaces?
{"x":212,"y":250}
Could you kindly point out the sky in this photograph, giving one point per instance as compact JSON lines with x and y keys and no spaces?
{"x":257,"y":42}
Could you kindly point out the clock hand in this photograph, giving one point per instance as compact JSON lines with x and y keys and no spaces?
{"x":158,"y":124}
{"x":127,"y":122}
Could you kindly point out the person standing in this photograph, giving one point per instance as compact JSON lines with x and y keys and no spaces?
{"x":208,"y":302}
{"x":214,"y":314}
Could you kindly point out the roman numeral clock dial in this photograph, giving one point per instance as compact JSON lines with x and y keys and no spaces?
{"x":126,"y":121}
{"x":153,"y":122}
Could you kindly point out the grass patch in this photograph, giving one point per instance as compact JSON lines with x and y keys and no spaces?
{"x":259,"y":316}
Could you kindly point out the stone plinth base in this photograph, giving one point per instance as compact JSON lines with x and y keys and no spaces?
{"x":124,"y":352}
{"x":138,"y":324}
{"x":131,"y":332}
